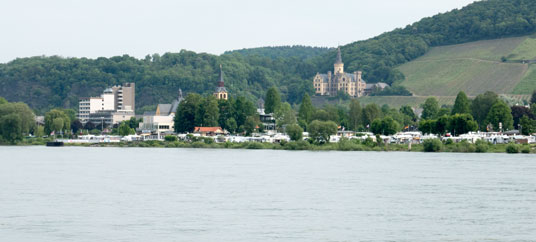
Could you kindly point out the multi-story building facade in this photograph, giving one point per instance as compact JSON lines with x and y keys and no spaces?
{"x":114,"y":104}
{"x":330,"y":84}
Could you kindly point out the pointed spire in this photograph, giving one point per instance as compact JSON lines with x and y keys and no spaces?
{"x":221,"y":83}
{"x":339,"y":58}
{"x":180,"y":94}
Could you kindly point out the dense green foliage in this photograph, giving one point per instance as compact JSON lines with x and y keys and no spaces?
{"x":294,"y":131}
{"x":481,"y":106}
{"x":462,"y":104}
{"x":321,"y":131}
{"x":500,"y":117}
{"x":276,"y":52}
{"x":272,"y":100}
{"x":432,"y":145}
{"x":124,"y":129}
{"x":385,"y":126}
{"x":56,"y":120}
{"x":512,"y":149}
{"x":306,"y":111}
{"x":430,"y":108}
{"x":16,"y":121}
{"x":48,"y":82}
{"x":234,"y":115}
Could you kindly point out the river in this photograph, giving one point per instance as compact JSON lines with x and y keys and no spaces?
{"x":156,"y":194}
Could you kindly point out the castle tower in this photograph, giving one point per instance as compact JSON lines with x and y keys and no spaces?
{"x":338,"y":66}
{"x":221,"y":92}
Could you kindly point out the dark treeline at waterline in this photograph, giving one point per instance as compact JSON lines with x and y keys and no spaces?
{"x":486,"y":112}
{"x":433,"y":145}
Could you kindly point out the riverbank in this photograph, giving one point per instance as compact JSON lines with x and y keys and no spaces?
{"x":343,"y":145}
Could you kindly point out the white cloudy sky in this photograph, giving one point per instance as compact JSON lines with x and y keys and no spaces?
{"x":93,"y":28}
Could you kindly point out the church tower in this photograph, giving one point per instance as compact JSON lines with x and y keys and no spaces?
{"x":338,"y":66}
{"x":221,"y":92}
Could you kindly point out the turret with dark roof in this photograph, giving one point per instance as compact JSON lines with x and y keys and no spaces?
{"x":339,"y":57}
{"x":221,"y":92}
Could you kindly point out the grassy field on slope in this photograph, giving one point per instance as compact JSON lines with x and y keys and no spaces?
{"x":392,"y":101}
{"x":473,"y":67}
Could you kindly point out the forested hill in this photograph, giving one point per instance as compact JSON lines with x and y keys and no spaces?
{"x":298,"y":51}
{"x":489,"y":19}
{"x":45,"y":82}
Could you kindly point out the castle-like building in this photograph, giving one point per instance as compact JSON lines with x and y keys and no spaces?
{"x":329,"y":84}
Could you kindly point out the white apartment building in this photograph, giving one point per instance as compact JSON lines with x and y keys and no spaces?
{"x":114,"y":104}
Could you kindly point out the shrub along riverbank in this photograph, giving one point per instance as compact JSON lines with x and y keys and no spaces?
{"x":343,"y":145}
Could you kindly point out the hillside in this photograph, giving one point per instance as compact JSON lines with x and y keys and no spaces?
{"x":482,"y":20}
{"x":475,"y":67}
{"x":47,"y":82}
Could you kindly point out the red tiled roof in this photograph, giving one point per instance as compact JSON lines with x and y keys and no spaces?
{"x":207,"y":129}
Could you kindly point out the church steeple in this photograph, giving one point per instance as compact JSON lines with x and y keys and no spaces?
{"x":221,"y":83}
{"x":338,"y":66}
{"x":339,"y":57}
{"x":221,"y":92}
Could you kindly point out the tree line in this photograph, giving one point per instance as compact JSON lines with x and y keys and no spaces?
{"x":487,"y":112}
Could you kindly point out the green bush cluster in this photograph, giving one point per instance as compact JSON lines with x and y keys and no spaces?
{"x":512,"y":149}
{"x":432,"y":145}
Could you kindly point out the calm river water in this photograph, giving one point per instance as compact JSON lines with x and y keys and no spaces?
{"x":145,"y":194}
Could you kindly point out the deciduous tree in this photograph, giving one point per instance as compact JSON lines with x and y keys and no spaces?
{"x":355,"y":115}
{"x":321,"y":131}
{"x":500,"y":113}
{"x":430,"y":108}
{"x":462,"y":104}
{"x":273,"y":100}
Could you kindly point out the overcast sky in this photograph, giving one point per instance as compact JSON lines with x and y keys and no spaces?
{"x":93,"y":28}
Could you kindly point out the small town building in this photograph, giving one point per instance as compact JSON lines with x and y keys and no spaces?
{"x":267,"y":120}
{"x":374,"y":87}
{"x":108,"y":118}
{"x":208,"y":131}
{"x":162,"y":120}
